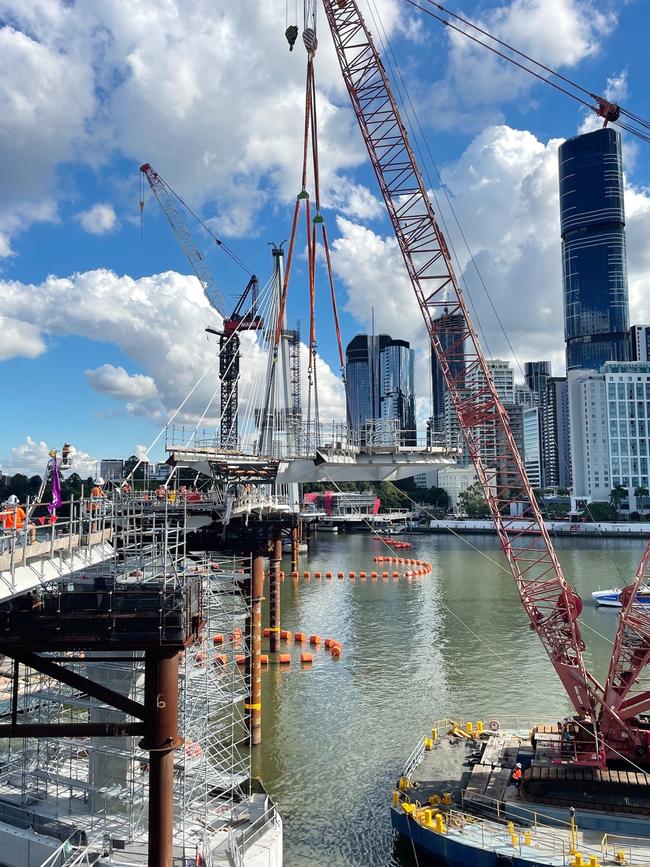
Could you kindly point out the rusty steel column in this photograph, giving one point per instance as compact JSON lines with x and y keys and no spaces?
{"x":274,"y":592}
{"x":161,"y":739}
{"x":294,"y":547}
{"x":253,"y":662}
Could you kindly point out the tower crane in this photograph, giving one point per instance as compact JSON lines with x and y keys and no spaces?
{"x":241,"y":318}
{"x":613,"y":720}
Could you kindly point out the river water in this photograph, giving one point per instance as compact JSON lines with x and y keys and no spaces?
{"x":336,"y":734}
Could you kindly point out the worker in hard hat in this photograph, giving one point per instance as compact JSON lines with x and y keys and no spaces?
{"x":97,"y":499}
{"x":517,"y":774}
{"x":14,"y":518}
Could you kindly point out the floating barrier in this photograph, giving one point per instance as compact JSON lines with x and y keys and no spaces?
{"x":240,"y":659}
{"x":306,"y":657}
{"x":218,"y":639}
{"x":314,"y":639}
{"x":316,"y":574}
{"x":299,"y":637}
{"x":284,"y":658}
{"x":264,"y":658}
{"x":339,"y":575}
{"x":305,"y":574}
{"x":285,"y":635}
{"x":266,"y":631}
{"x":328,"y":574}
{"x":336,"y":651}
{"x":220,"y":659}
{"x":352,"y":574}
{"x":329,"y":642}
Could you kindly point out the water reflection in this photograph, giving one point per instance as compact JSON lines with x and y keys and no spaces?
{"x":336,"y":735}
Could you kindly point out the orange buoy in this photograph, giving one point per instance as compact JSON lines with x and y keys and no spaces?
{"x":240,"y":659}
{"x":299,"y":637}
{"x":339,"y":574}
{"x":362,"y":574}
{"x":373,"y":575}
{"x":266,"y":632}
{"x":284,"y":658}
{"x":294,"y":574}
{"x":352,"y":574}
{"x":329,"y":642}
{"x":306,"y":657}
{"x":336,"y":651}
{"x":220,"y":659}
{"x":395,"y":574}
{"x":305,"y":574}
{"x":314,"y":639}
{"x":264,"y":658}
{"x":218,"y":639}
{"x":285,"y":634}
{"x":384,"y":574}
{"x":316,"y":574}
{"x":328,"y":574}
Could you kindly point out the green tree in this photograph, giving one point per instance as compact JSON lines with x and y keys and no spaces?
{"x":433,"y":497}
{"x":472,"y":502}
{"x":616,"y":497}
{"x":601,"y":511}
{"x":641,"y":492}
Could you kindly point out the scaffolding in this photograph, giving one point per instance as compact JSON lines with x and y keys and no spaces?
{"x":88,"y":796}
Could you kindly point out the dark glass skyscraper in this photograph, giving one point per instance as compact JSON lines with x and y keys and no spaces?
{"x":537,"y":374}
{"x":592,"y":221}
{"x":380,"y":384}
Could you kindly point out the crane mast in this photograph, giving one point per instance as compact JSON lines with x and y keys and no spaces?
{"x":551,"y":605}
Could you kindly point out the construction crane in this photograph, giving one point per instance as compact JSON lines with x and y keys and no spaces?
{"x":551,"y":605}
{"x":233,"y":324}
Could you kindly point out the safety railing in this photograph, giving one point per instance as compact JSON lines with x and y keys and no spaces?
{"x":240,"y":842}
{"x":621,"y":849}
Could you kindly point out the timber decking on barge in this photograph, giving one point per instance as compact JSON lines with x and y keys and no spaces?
{"x":457,"y":802}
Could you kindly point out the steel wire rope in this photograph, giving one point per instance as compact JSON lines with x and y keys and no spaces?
{"x":440,"y":214}
{"x":637,"y":118}
{"x":506,"y":662}
{"x":262,"y":305}
{"x":639,"y":133}
{"x":411,"y":110}
{"x":264,"y":393}
{"x":177,"y":410}
{"x":259,"y":378}
{"x":239,"y":327}
{"x":483,"y":554}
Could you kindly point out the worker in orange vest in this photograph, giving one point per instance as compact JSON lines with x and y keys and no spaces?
{"x":516,"y":776}
{"x":13,"y":517}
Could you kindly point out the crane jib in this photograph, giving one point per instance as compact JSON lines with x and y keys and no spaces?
{"x":548,"y":600}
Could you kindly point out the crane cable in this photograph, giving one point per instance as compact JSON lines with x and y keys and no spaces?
{"x":609,"y":111}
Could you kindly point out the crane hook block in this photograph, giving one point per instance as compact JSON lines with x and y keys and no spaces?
{"x":309,"y":38}
{"x":319,"y":218}
{"x":292,"y":34}
{"x":303,"y":194}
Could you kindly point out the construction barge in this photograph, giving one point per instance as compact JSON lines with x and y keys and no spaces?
{"x":458,"y":800}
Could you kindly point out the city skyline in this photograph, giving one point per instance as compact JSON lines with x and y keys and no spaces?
{"x":116,"y":324}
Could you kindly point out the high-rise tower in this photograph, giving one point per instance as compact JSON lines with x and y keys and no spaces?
{"x":592,"y":221}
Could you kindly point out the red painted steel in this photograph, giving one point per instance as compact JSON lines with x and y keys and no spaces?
{"x":545,"y":593}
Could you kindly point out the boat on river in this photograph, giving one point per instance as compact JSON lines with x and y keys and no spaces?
{"x":613,"y":598}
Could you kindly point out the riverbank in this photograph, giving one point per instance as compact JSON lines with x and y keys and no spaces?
{"x":602,"y":529}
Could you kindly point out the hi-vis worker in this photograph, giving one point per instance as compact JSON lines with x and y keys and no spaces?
{"x":97,"y":498}
{"x":516,"y":776}
{"x":13,"y":517}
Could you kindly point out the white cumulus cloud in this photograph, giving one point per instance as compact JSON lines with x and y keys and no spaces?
{"x":116,"y":382}
{"x":31,"y":457}
{"x":99,"y":219}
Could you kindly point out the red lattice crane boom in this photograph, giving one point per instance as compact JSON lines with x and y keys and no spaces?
{"x":551,"y":605}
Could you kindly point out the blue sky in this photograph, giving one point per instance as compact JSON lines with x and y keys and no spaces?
{"x":100,"y":343}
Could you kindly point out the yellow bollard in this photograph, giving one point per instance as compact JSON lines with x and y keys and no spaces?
{"x":428,"y":743}
{"x":528,"y":839}
{"x":469,"y":728}
{"x":403,"y":783}
{"x":479,"y":727}
{"x":514,"y":840}
{"x":434,"y":734}
{"x":619,"y":857}
{"x":577,"y":860}
{"x":511,"y":828}
{"x":593,"y":861}
{"x":395,"y":797}
{"x":439,"y":824}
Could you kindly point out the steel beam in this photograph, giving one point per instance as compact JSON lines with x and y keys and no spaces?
{"x":71,"y":730}
{"x":76,"y":681}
